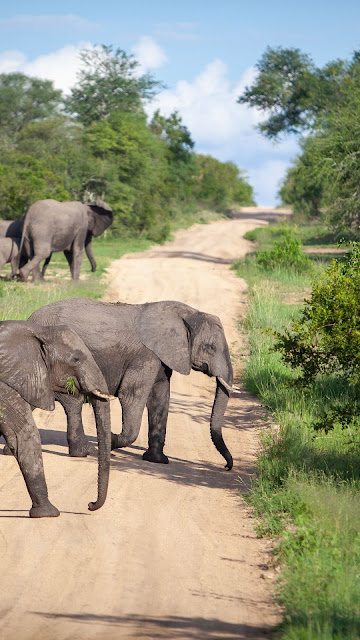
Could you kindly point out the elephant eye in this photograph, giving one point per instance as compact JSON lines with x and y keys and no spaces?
{"x":210,"y":348}
{"x":76,"y":356}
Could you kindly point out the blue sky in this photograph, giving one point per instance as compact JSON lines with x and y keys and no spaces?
{"x":203,"y":50}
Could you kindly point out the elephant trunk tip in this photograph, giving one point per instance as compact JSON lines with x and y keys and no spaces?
{"x":93,"y":506}
{"x":105,"y":396}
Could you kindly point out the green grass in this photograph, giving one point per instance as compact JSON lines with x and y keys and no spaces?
{"x":306,"y":492}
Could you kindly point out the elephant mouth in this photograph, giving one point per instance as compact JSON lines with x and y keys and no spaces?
{"x":203,"y":367}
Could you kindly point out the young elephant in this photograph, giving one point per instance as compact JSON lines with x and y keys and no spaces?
{"x":137,"y":346}
{"x":36,"y":362}
{"x":9,"y":249}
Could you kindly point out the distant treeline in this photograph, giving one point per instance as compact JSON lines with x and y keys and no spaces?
{"x":323,"y":104}
{"x":98,"y":142}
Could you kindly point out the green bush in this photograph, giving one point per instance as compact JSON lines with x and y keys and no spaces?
{"x":326,"y":338}
{"x":285,"y":252}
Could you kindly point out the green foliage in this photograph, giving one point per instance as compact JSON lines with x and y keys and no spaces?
{"x":294,"y":91}
{"x":221,"y":183}
{"x":107,"y":82}
{"x":326,"y":338}
{"x":23,"y":100}
{"x":23,"y":180}
{"x":285,"y":252}
{"x":70,"y":386}
{"x":305,"y":492}
{"x":146,"y":171}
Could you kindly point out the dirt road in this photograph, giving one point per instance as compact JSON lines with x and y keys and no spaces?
{"x":172,"y":554}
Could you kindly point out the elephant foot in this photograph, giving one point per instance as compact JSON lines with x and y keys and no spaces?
{"x":22,"y":276}
{"x":7,"y":451}
{"x":79,"y":449}
{"x":152,"y":456}
{"x":114,"y":441}
{"x":46,"y":510}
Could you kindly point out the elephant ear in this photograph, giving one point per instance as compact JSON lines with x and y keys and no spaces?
{"x":23,"y":363}
{"x":101,"y":217}
{"x":162,"y":330}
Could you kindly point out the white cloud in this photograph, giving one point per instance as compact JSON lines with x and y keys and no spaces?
{"x":40,"y":22}
{"x":225,"y":129}
{"x":61,"y":66}
{"x":149,"y":54}
{"x":11,"y":61}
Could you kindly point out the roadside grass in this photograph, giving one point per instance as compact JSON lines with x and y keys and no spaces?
{"x":306,"y":492}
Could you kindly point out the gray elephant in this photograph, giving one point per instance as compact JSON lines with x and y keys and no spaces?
{"x":137,"y":346}
{"x":36,"y":362}
{"x":50,"y":226}
{"x":13,"y":229}
{"x":9,"y":249}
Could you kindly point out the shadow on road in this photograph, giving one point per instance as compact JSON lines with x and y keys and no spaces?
{"x":167,"y":628}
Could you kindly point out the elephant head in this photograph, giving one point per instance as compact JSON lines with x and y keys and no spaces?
{"x":184,"y":339}
{"x":100,"y":217}
{"x":36,"y":361}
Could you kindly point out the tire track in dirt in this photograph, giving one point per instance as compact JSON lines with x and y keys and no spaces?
{"x":172,"y":554}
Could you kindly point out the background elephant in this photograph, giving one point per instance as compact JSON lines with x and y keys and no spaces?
{"x":36,"y":362}
{"x":13,"y":229}
{"x":9,"y":249}
{"x":136,"y":348}
{"x":50,"y":226}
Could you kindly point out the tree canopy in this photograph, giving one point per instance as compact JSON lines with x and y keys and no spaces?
{"x":108,"y":81}
{"x":98,"y":142}
{"x":324,"y":105}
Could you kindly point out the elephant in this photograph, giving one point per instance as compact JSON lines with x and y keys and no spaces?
{"x":137,"y":346}
{"x":50,"y":226}
{"x":13,"y":229}
{"x":37,"y":362}
{"x":9,"y":249}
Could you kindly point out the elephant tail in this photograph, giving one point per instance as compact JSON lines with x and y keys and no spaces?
{"x":102,"y":416}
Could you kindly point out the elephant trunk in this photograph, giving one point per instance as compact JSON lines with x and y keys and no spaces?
{"x":102,"y":417}
{"x":89,"y":251}
{"x":217,"y":415}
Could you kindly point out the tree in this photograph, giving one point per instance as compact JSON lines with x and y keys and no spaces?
{"x":108,"y":82}
{"x":221,"y":183}
{"x":24,"y":180}
{"x":24,"y":99}
{"x":292,"y":91}
{"x":179,"y":152}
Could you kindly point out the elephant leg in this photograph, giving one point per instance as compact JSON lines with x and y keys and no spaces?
{"x":33,"y":265}
{"x":22,"y":437}
{"x":37,"y":274}
{"x":78,"y":444}
{"x":45,"y":265}
{"x":158,"y":409}
{"x":75,"y":255}
{"x":134,"y":392}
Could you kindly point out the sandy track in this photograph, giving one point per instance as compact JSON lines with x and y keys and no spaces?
{"x":172,"y":554}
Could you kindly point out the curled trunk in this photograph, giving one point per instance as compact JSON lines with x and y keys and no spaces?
{"x":217,"y":416}
{"x":102,"y":417}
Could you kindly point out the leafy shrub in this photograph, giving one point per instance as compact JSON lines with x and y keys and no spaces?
{"x":285,"y":252}
{"x":326,"y":338}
